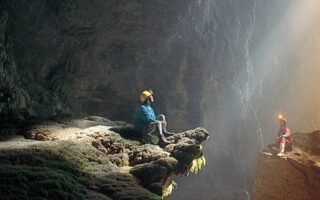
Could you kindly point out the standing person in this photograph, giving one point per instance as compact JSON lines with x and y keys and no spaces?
{"x":284,"y":140}
{"x":146,"y":121}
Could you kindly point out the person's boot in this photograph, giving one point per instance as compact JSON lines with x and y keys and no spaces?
{"x":163,"y":141}
{"x":282,"y":148}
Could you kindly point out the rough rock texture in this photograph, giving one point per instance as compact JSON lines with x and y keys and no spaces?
{"x":20,"y":97}
{"x":295,"y":176}
{"x":96,"y":56}
{"x":224,"y":65}
{"x":86,"y":159}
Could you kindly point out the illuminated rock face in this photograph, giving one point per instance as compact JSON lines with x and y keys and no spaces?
{"x":94,"y":158}
{"x":211,"y":63}
{"x":293,"y":177}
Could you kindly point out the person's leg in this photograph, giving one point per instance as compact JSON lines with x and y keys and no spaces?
{"x":159,"y":129}
{"x":149,"y":129}
{"x":162,"y":117}
{"x":288,"y":146}
{"x":282,"y":147}
{"x":159,"y":132}
{"x":156,"y":129}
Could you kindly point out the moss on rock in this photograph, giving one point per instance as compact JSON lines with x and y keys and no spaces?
{"x":90,"y":160}
{"x":27,"y":176}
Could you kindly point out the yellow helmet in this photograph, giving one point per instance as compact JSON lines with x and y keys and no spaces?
{"x":282,"y":118}
{"x":145,"y":94}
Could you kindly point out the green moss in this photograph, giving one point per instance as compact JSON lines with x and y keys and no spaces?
{"x":196,"y":165}
{"x":26,"y":176}
{"x":150,"y":139}
{"x":43,"y":159}
{"x":26,"y":182}
{"x":168,"y":191}
{"x":154,"y":197}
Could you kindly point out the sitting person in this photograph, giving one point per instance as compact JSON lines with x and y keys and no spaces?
{"x":284,"y":140}
{"x":146,"y":121}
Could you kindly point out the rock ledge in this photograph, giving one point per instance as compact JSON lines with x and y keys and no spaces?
{"x":295,"y":176}
{"x":94,"y":158}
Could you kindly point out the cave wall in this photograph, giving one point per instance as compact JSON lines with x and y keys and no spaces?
{"x":96,"y":56}
{"x":20,"y":97}
{"x":220,"y":64}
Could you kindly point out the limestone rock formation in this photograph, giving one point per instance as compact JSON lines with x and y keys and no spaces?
{"x":295,"y":176}
{"x":212,"y":63}
{"x":87,"y":159}
{"x":81,"y":57}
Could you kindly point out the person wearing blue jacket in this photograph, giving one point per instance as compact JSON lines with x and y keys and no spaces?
{"x":146,"y":122}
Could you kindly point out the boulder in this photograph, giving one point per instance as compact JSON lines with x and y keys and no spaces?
{"x":295,"y":176}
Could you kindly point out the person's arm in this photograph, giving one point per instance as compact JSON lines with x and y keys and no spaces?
{"x":287,"y":134}
{"x":147,"y":116}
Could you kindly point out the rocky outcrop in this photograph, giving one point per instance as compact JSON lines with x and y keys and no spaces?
{"x":295,"y":176}
{"x":211,"y":63}
{"x":88,"y":159}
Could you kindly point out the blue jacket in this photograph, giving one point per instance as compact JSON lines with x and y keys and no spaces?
{"x":144,"y":116}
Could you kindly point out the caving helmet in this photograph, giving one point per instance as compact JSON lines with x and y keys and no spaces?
{"x":145,"y":94}
{"x":281,"y":118}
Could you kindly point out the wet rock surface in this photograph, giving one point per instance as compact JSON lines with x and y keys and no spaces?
{"x":85,"y":159}
{"x":295,"y":176}
{"x":211,"y":63}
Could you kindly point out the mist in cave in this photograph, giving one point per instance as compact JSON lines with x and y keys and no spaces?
{"x":229,"y":66}
{"x":279,"y":74}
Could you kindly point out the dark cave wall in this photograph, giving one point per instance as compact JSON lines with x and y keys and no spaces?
{"x":20,"y":97}
{"x":96,"y":56}
{"x":205,"y":59}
